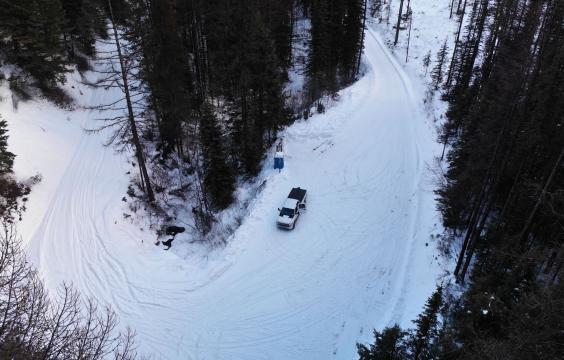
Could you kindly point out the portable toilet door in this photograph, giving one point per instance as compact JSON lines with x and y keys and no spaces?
{"x":279,"y":160}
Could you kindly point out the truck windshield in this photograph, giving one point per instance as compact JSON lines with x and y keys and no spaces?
{"x":287,"y":212}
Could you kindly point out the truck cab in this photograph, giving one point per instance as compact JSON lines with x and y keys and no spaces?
{"x":291,"y":209}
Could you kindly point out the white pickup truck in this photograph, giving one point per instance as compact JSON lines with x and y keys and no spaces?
{"x":290,"y":211}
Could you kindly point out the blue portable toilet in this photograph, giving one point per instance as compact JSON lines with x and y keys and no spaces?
{"x":279,"y":160}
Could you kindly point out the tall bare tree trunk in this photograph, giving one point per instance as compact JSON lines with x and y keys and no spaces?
{"x":458,"y":7}
{"x":410,"y":17}
{"x":389,"y":13}
{"x":399,"y":22}
{"x":451,"y":8}
{"x":478,"y":205}
{"x":473,"y":241}
{"x":526,"y":228}
{"x":132,"y":124}
{"x":456,"y":44}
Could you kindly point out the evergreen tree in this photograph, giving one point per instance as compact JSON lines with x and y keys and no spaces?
{"x":30,"y":36}
{"x":169,"y":75}
{"x":437,"y":74}
{"x":256,"y":104}
{"x":319,"y":58}
{"x":390,"y":344}
{"x":423,"y":340}
{"x":337,"y":29}
{"x":84,"y":20}
{"x":6,"y":157}
{"x":352,"y":39}
{"x":279,"y":19}
{"x":219,"y":181}
{"x":11,"y":191}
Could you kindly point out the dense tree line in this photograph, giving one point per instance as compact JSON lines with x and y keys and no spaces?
{"x":505,"y":130}
{"x":42,"y":37}
{"x":336,"y":43}
{"x":502,"y":198}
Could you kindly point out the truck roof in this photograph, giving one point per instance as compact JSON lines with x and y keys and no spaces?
{"x":290,"y":203}
{"x":297,"y":194}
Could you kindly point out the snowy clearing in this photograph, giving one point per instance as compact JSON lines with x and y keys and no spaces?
{"x":358,"y":258}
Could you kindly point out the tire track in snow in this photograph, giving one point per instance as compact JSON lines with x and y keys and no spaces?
{"x":417,"y":188}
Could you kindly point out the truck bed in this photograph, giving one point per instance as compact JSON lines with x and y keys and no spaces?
{"x":297,"y":194}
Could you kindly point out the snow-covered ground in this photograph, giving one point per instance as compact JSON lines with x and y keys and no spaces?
{"x":361,"y":257}
{"x":431,"y":27}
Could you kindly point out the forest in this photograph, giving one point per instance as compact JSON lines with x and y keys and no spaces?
{"x":501,"y":198}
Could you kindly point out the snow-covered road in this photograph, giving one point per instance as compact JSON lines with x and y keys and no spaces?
{"x":357,"y":259}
